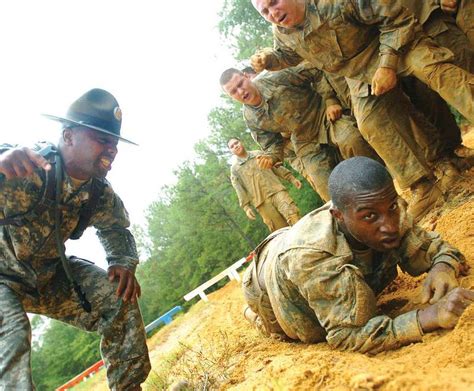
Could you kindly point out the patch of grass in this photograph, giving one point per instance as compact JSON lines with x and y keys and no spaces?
{"x":202,"y":366}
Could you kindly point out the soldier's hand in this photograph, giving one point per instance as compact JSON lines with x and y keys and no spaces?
{"x":446,"y":312}
{"x":264,"y":162}
{"x":449,"y":6}
{"x":440,"y":280}
{"x":21,"y":162}
{"x":333,"y":112}
{"x":259,"y":61}
{"x":383,"y":81}
{"x":128,"y":287}
{"x":297,"y":183}
{"x":249,"y":212}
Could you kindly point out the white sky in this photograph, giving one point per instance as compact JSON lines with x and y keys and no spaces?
{"x":161,"y":60}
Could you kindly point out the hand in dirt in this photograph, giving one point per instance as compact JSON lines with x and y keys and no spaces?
{"x":333,"y":112}
{"x":383,"y":81}
{"x":446,"y":312}
{"x":249,"y":212}
{"x":259,"y":61}
{"x":440,"y":280}
{"x":128,"y":287}
{"x":21,"y":162}
{"x":449,"y":6}
{"x":264,"y":162}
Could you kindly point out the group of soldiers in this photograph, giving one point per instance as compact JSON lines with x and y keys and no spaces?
{"x":355,"y":95}
{"x":362,"y":79}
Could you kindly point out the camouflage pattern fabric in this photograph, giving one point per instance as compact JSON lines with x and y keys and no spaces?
{"x":262,"y":189}
{"x":353,"y":39}
{"x":292,"y":105}
{"x":465,"y":18}
{"x":320,"y":288}
{"x":32,"y":279}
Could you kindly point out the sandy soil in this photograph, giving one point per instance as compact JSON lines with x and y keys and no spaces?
{"x":239,"y":358}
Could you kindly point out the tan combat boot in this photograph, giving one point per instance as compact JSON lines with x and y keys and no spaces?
{"x":425,"y":196}
{"x":447,"y":173}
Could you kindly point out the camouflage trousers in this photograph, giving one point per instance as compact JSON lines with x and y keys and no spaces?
{"x":433,"y":65}
{"x":318,"y":160}
{"x":277,"y":307}
{"x":278,"y":211}
{"x":389,"y":123}
{"x":465,"y":18}
{"x":442,"y":139}
{"x":123,"y":343}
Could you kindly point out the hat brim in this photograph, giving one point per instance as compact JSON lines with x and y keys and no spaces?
{"x":81,"y":123}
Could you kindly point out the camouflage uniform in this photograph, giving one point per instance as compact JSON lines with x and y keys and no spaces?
{"x":32,"y":279}
{"x":465,"y":18}
{"x":290,"y":104}
{"x":308,"y":284}
{"x":354,"y":39}
{"x":442,"y":28}
{"x":262,"y":189}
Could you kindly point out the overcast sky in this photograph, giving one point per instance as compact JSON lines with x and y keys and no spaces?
{"x":161,"y":60}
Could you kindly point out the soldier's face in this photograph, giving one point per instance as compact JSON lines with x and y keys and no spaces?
{"x":236,"y":147}
{"x":284,"y":13}
{"x":90,"y":153}
{"x":373,"y":219}
{"x":242,"y":89}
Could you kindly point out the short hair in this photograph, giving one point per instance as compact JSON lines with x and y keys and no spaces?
{"x":355,"y":175}
{"x":227,"y":75}
{"x":232,"y":138}
{"x":248,"y":69}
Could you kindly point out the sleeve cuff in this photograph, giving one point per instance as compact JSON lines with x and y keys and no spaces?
{"x":388,"y":60}
{"x":407,"y":328}
{"x":332,"y":101}
{"x":448,"y":261}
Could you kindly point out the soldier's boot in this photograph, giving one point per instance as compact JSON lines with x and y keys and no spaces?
{"x":447,"y":173}
{"x":425,"y":196}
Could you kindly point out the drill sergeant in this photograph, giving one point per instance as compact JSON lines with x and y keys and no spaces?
{"x":46,"y":198}
{"x":319,"y":280}
{"x":261,"y":188}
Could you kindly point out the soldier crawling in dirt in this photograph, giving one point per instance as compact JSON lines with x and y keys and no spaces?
{"x":48,"y":195}
{"x":319,"y":279}
{"x":261,"y":188}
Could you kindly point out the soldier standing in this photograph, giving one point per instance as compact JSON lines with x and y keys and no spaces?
{"x":286,"y":101}
{"x":261,"y":188}
{"x":48,"y":195}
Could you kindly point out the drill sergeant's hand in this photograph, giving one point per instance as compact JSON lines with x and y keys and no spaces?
{"x":128,"y":287}
{"x":383,"y":81}
{"x":249,"y":212}
{"x":446,"y":312}
{"x":21,"y":162}
{"x":449,"y":6}
{"x":333,"y":112}
{"x":264,"y":162}
{"x":259,"y":61}
{"x":440,"y":280}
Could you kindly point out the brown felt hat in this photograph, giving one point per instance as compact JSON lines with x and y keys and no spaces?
{"x":97,"y":109}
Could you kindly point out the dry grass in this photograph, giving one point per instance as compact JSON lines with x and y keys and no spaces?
{"x":204,"y":365}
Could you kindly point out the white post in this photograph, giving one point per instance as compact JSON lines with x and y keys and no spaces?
{"x":203,"y":296}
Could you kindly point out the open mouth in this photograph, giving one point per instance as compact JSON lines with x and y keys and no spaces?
{"x":246,"y":95}
{"x":282,"y":18}
{"x":106,"y":163}
{"x":392,"y":241}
